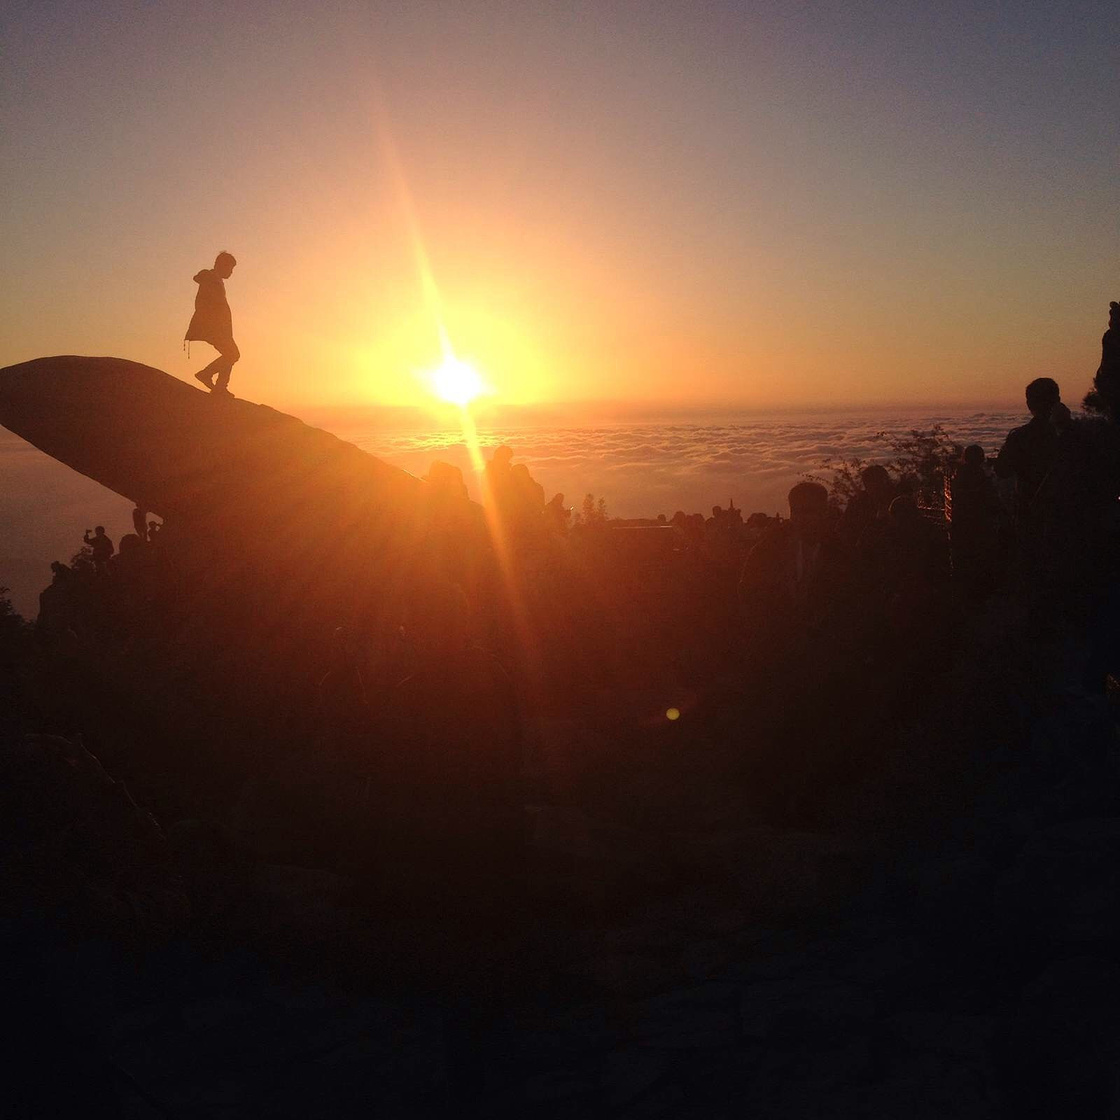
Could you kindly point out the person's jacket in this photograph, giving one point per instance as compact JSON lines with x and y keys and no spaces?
{"x":212,"y":321}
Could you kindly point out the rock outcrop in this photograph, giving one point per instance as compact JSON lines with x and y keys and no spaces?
{"x":205,"y":458}
{"x":276,"y":532}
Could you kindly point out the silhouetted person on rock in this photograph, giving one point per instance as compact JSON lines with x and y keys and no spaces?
{"x":514,"y":496}
{"x":100,"y":546}
{"x":915,"y":546}
{"x":972,"y":508}
{"x":1105,"y":394}
{"x":794,"y":569}
{"x":499,"y":481}
{"x":139,"y":523}
{"x":446,"y":480}
{"x":873,"y":499}
{"x":557,"y":516}
{"x":153,"y":531}
{"x":130,"y":547}
{"x":213,"y":323}
{"x":55,"y":600}
{"x":1029,"y":452}
{"x":1073,"y":508}
{"x":1062,"y":492}
{"x":528,"y":493}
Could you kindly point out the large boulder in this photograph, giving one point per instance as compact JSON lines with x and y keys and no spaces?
{"x":277,"y":531}
{"x":187,"y":454}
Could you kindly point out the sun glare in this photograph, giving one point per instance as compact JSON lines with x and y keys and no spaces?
{"x":457,"y":381}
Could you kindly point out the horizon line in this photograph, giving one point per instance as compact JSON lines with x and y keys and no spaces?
{"x":662,"y":409}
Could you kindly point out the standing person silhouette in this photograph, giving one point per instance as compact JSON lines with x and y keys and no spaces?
{"x":213,"y":323}
{"x":101,"y":547}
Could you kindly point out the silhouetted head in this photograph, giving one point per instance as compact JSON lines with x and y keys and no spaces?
{"x":1042,"y":394}
{"x":99,"y":530}
{"x":973,"y":455}
{"x":875,"y":480}
{"x":60,"y":571}
{"x":224,"y":264}
{"x":808,"y":504}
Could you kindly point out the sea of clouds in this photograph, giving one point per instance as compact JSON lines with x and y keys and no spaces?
{"x":640,"y":469}
{"x":650,"y":468}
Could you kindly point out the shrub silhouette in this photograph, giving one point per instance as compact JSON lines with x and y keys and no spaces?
{"x":923,"y":457}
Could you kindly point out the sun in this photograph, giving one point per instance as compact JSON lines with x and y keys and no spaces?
{"x":457,"y":381}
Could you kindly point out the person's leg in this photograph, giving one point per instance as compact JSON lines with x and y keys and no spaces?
{"x":229,"y":354}
{"x":206,"y":376}
{"x":221,"y":366}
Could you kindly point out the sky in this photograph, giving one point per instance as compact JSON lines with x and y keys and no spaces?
{"x":768,"y":205}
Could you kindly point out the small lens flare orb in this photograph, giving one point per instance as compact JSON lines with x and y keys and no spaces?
{"x":673,"y":713}
{"x":457,"y":381}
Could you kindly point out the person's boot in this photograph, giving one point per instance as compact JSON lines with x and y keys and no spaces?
{"x":201,"y":376}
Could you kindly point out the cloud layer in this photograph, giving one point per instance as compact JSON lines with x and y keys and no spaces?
{"x":646,"y":469}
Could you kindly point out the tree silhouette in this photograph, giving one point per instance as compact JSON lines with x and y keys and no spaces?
{"x":593,"y":513}
{"x":923,"y":457}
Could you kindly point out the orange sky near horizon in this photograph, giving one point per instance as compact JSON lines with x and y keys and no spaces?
{"x":718,"y":209}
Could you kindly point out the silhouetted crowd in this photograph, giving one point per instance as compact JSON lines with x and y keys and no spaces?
{"x":1032,"y":521}
{"x":858,"y":592}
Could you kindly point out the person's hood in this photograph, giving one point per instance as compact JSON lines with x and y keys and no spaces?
{"x":200,"y":276}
